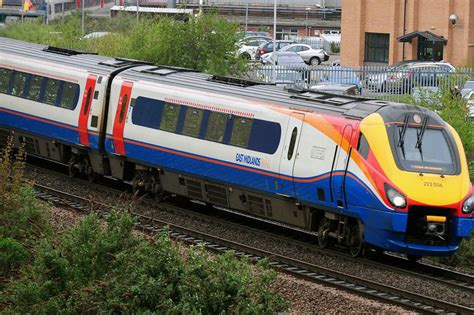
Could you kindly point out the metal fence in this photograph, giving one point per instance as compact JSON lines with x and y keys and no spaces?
{"x":373,"y":81}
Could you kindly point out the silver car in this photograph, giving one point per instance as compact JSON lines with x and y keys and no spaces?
{"x":310,"y":55}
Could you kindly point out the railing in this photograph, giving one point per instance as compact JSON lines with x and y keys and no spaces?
{"x":374,"y":81}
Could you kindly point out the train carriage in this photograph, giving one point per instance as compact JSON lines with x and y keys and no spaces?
{"x":356,"y":171}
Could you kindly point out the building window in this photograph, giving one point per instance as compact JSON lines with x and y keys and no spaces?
{"x":376,"y":47}
{"x":286,"y":33}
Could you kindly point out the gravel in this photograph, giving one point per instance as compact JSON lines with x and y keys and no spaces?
{"x":411,"y":283}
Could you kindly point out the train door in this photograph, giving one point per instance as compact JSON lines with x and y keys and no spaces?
{"x":85,"y":110}
{"x":121,"y":117}
{"x":286,"y":185}
{"x":339,"y":169}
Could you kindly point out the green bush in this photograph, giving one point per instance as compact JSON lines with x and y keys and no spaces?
{"x":103,"y":268}
{"x":12,"y":255}
{"x":205,"y":43}
{"x":335,"y":48}
{"x":23,"y":219}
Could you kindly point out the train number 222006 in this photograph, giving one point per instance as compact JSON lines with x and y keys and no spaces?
{"x":433,"y":184}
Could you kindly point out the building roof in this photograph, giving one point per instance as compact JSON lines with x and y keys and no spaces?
{"x":428,"y":35}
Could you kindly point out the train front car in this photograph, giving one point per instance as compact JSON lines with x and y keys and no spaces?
{"x":419,"y":167}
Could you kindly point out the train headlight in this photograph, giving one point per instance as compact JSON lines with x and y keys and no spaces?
{"x":468,"y":205}
{"x":395,"y":198}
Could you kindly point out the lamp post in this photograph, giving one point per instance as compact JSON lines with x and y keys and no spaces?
{"x":82,"y":16}
{"x":306,"y":21}
{"x":274,"y":41}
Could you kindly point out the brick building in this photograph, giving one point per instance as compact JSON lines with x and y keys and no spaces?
{"x":388,"y":31}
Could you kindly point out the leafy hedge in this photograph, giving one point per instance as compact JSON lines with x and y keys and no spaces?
{"x":205,"y":43}
{"x":102,"y":267}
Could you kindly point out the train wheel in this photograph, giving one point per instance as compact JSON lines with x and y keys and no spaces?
{"x":72,"y":169}
{"x":356,"y":244}
{"x":139,"y":183}
{"x":91,"y":175}
{"x":323,"y":233}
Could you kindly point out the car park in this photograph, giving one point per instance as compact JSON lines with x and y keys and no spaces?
{"x":343,"y":75}
{"x":268,"y":47}
{"x":402,"y":77}
{"x":248,"y":46}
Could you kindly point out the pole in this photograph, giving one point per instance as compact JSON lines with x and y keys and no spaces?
{"x":306,"y":23}
{"x":247,"y":17}
{"x":47,"y":11}
{"x":138,"y":5}
{"x":274,"y":41}
{"x":82,"y":16}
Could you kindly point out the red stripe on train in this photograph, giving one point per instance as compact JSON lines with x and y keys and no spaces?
{"x":121,"y":117}
{"x":86,"y":109}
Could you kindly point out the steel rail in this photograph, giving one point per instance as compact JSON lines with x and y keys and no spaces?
{"x":288,"y":265}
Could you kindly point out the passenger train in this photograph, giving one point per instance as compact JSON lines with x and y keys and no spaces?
{"x":356,"y":171}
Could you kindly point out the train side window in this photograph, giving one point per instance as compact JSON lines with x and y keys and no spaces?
{"x":192,"y":122}
{"x":4,"y":79}
{"x":291,"y":148}
{"x":68,"y":98}
{"x":170,"y":116}
{"x":241,"y":131}
{"x":363,"y":146}
{"x":35,"y":87}
{"x":51,"y":91}
{"x":216,"y":125}
{"x":18,"y":86}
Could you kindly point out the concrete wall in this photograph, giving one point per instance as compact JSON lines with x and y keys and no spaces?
{"x":387,"y":16}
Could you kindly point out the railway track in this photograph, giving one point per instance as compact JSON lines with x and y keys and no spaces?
{"x":311,"y":272}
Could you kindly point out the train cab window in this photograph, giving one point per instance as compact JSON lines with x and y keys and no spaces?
{"x":69,"y":96}
{"x":241,"y":131}
{"x":4,"y":80}
{"x":34,"y":90}
{"x":216,"y":125}
{"x":170,"y":116}
{"x":363,"y":146}
{"x":51,"y":92}
{"x":192,"y":122}
{"x":291,"y":147}
{"x":18,"y":86}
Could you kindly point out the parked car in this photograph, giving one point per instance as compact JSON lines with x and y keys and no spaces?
{"x":467,"y":88}
{"x":248,"y":46}
{"x":310,"y":56}
{"x":268,"y":47}
{"x":343,"y":75}
{"x":336,"y":88}
{"x":405,"y":75}
{"x":470,"y":105}
{"x":291,"y":70}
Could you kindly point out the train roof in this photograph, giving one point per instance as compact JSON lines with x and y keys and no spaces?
{"x":304,"y":100}
{"x":67,"y":57}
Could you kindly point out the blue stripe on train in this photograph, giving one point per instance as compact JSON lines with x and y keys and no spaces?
{"x":45,"y":127}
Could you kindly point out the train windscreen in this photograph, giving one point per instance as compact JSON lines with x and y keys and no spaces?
{"x":424,"y":150}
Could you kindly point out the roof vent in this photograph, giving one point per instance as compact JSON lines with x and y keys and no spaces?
{"x":236,"y":81}
{"x":165,"y":70}
{"x":66,"y":51}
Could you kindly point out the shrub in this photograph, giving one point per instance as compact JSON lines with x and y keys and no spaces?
{"x":104,"y":268}
{"x":335,"y":48}
{"x":12,"y":254}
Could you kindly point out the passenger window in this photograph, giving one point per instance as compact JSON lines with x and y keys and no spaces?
{"x":192,"y":122}
{"x":363,"y":146}
{"x":291,"y":148}
{"x":51,"y":92}
{"x":216,"y":126}
{"x":241,"y":132}
{"x":4,"y":80}
{"x":35,"y":87}
{"x":19,"y":81}
{"x":170,"y":117}
{"x":68,"y":98}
